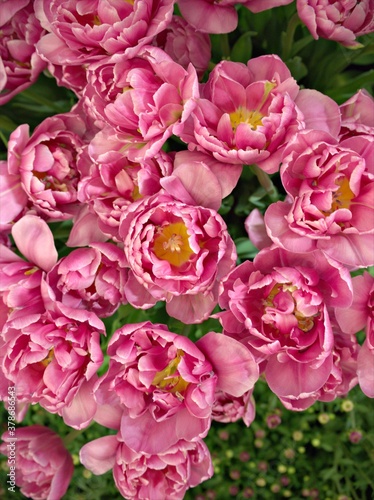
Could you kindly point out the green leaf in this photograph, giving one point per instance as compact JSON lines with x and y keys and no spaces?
{"x":242,"y":49}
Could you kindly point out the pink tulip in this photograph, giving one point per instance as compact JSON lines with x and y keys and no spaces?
{"x":82,"y":33}
{"x":247,"y":113}
{"x":149,"y":476}
{"x":20,"y":65}
{"x":90,"y":278}
{"x":177,"y":253}
{"x":185,"y":45}
{"x":278,"y":307}
{"x":46,"y":163}
{"x":331,"y":193}
{"x":111,"y":185}
{"x":358,"y":317}
{"x":52,"y":356}
{"x":160,"y":386}
{"x":231,"y":409}
{"x":211,"y":16}
{"x":42,"y":466}
{"x":159,"y":96}
{"x":336,"y":20}
{"x":13,"y":198}
{"x":357,"y":115}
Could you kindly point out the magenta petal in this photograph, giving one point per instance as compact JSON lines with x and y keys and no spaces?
{"x":234,"y":365}
{"x":34,"y":240}
{"x":99,"y":455}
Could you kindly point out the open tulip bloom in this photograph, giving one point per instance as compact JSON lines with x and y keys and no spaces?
{"x":188,"y":220}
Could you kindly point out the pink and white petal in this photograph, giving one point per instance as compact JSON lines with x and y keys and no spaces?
{"x":80,"y":412}
{"x":320,"y":111}
{"x":278,"y":229}
{"x":85,"y":230}
{"x":35,"y":241}
{"x":200,"y":184}
{"x":191,"y":308}
{"x":233,"y":363}
{"x":353,"y":250}
{"x":99,"y":456}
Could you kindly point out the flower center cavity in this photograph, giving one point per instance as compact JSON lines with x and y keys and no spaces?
{"x":243,"y":115}
{"x":171,"y":244}
{"x":280,"y":303}
{"x":168,"y":380}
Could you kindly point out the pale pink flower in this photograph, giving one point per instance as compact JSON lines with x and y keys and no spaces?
{"x":46,"y":163}
{"x":110,"y":186}
{"x":148,"y":476}
{"x":177,"y":253}
{"x":160,"y":386}
{"x":80,"y":33}
{"x":358,"y":317}
{"x":140,"y":102}
{"x":185,"y":45}
{"x":90,"y":278}
{"x":43,"y":465}
{"x":341,"y":21}
{"x":228,"y":408}
{"x":357,"y":115}
{"x":247,"y":113}
{"x":330,"y":204}
{"x":20,"y":65}
{"x":278,"y":307}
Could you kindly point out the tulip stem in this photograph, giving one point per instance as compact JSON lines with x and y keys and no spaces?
{"x":225,"y":46}
{"x":289,"y":36}
{"x":72,"y":436}
{"x":266,"y":183}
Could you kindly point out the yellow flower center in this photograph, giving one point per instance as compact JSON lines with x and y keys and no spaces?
{"x":304,"y":323}
{"x":343,"y":196}
{"x":171,"y":244}
{"x":45,"y":362}
{"x":243,"y":115}
{"x":166,"y":380}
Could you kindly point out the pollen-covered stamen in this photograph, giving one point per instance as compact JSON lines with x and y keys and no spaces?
{"x":243,"y":115}
{"x":168,"y":380}
{"x":252,"y":117}
{"x":174,"y":243}
{"x":343,"y":196}
{"x":45,"y":362}
{"x":171,"y":244}
{"x":304,"y":323}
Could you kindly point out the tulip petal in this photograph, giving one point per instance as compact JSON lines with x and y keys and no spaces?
{"x":234,"y":365}
{"x":34,"y":240}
